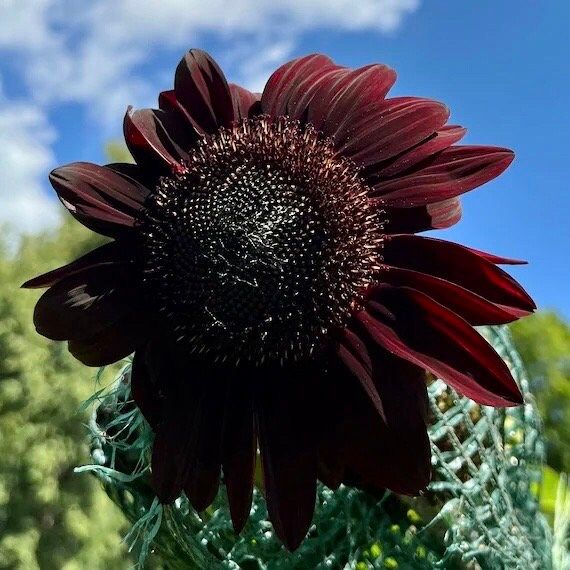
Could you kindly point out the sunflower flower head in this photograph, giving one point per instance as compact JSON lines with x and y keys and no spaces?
{"x":265,"y":270}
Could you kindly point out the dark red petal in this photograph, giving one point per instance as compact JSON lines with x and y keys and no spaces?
{"x":203,"y":92}
{"x":454,"y":171}
{"x":288,"y":451}
{"x":155,"y":139}
{"x":239,"y":451}
{"x":497,"y":259}
{"x":287,"y":81}
{"x":173,"y":444}
{"x":343,"y":97}
{"x":354,"y":355}
{"x":376,"y":454}
{"x":330,"y":86}
{"x":113,"y":343}
{"x":362,"y":91}
{"x":413,"y":326}
{"x":113,"y":252}
{"x":145,"y":393}
{"x":436,"y":216}
{"x":388,"y":128}
{"x":170,"y":452}
{"x":101,"y":199}
{"x":307,"y":94}
{"x":243,"y":100}
{"x":87,"y":302}
{"x":133,"y":173}
{"x":205,"y":454}
{"x":475,"y":309}
{"x":440,"y":140}
{"x":458,"y":265}
{"x":168,"y":102}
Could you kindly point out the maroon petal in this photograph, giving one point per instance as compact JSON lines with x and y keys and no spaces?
{"x":244,"y":101}
{"x":134,"y":173}
{"x":458,"y":265}
{"x":114,"y":343}
{"x":101,"y":199}
{"x":288,"y":452}
{"x":110,"y":253}
{"x":436,"y":216}
{"x":475,"y":309}
{"x":288,"y":81}
{"x":454,"y":171}
{"x":376,"y":454}
{"x":87,"y":302}
{"x":362,"y":91}
{"x":344,"y":97}
{"x":155,"y":139}
{"x":174,"y":441}
{"x":146,"y":394}
{"x":354,"y":355}
{"x":168,"y":102}
{"x":440,"y":140}
{"x":416,"y":328}
{"x":310,"y":91}
{"x":203,"y":92}
{"x":205,"y":451}
{"x":390,"y":127}
{"x":239,"y":450}
{"x":497,"y":259}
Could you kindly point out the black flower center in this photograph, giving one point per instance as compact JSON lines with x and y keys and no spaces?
{"x":261,"y":246}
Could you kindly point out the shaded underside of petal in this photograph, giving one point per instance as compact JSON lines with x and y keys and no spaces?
{"x":114,"y":342}
{"x":185,"y":456}
{"x":110,"y":253}
{"x":146,"y":394}
{"x":82,"y":305}
{"x":203,"y":423}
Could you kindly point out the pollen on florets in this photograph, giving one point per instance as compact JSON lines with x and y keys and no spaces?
{"x":261,"y":246}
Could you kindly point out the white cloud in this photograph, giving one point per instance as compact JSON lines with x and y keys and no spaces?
{"x":94,"y":53}
{"x":25,"y":156}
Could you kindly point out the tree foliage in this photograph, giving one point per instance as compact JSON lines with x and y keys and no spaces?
{"x":543,"y":341}
{"x":50,"y":518}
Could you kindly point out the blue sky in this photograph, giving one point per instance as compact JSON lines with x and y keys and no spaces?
{"x":67,"y":73}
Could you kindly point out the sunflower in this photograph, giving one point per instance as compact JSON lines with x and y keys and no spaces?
{"x":265,"y":271}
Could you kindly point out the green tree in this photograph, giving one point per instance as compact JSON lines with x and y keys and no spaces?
{"x":543,"y":341}
{"x":50,"y":518}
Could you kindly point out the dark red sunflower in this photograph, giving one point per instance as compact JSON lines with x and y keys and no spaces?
{"x":265,"y":272}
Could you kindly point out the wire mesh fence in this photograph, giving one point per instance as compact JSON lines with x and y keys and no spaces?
{"x":480,"y":511}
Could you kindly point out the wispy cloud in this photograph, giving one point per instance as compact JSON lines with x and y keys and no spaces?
{"x":25,"y":156}
{"x":93,"y":52}
{"x":96,"y":53}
